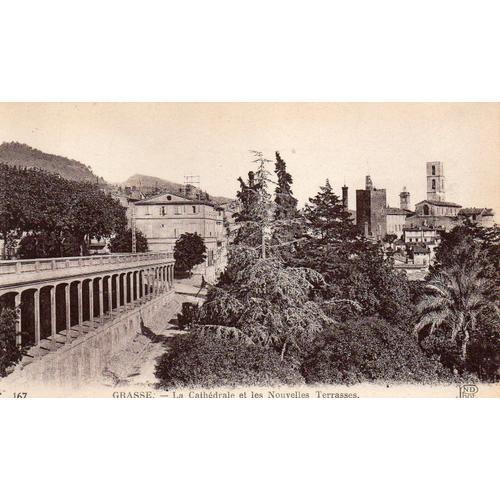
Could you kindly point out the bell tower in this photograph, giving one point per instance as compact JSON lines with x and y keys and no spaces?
{"x":435,"y":181}
{"x":404,"y":199}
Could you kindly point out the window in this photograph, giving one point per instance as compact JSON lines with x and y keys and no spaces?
{"x":162,"y":211}
{"x":175,"y":232}
{"x":433,"y":184}
{"x":147,"y":210}
{"x":178,"y":210}
{"x":194,"y":209}
{"x":433,"y":170}
{"x":169,"y":197}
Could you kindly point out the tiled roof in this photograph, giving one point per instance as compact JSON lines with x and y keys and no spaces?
{"x":397,"y":211}
{"x":476,"y":211}
{"x":420,"y":249}
{"x":440,"y":203}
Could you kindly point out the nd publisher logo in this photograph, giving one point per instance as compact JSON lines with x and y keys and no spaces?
{"x":468,"y":391}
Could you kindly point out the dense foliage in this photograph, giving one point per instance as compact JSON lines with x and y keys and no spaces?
{"x":9,"y":352}
{"x":122,"y":242}
{"x":306,"y":291}
{"x":370,"y":349}
{"x":189,"y":251}
{"x":458,"y":314}
{"x":56,"y":216}
{"x":200,"y":360}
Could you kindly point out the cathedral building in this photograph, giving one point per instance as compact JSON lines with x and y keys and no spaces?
{"x":435,"y":211}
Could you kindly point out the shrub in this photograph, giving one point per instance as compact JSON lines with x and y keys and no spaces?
{"x":188,"y":315}
{"x":200,"y":360}
{"x":9,"y":353}
{"x":371,"y":349}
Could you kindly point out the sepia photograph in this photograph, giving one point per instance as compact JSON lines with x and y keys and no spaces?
{"x":249,"y":250}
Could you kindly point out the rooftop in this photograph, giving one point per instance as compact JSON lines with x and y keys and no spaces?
{"x":440,"y":203}
{"x":476,"y":211}
{"x":397,"y":211}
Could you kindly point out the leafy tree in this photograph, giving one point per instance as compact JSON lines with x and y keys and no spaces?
{"x":456,"y":297}
{"x":189,"y":251}
{"x":9,"y":352}
{"x":122,"y":242}
{"x":201,"y":360}
{"x":370,"y":349}
{"x":55,"y":212}
{"x":469,"y":244}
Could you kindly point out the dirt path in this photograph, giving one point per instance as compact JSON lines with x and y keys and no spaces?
{"x":134,"y":366}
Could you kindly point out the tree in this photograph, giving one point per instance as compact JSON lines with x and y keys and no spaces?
{"x":264,"y":302}
{"x":328,"y":219}
{"x":55,"y":212}
{"x":370,"y":349}
{"x":286,"y":203}
{"x":9,"y":352}
{"x":359,"y":279}
{"x":122,"y":242}
{"x":456,"y":297}
{"x":189,"y":251}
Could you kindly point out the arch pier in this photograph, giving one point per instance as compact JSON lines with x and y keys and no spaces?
{"x":60,"y":300}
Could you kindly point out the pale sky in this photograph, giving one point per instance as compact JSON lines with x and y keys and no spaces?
{"x":342,"y":141}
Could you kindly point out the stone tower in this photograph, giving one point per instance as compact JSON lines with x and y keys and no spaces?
{"x":345,"y":199}
{"x":370,"y":210}
{"x":404,"y":199}
{"x":435,"y":181}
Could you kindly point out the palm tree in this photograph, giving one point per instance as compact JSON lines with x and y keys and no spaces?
{"x":455,"y":298}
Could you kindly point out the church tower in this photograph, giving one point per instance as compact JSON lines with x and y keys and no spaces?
{"x":435,"y":181}
{"x":404,"y":199}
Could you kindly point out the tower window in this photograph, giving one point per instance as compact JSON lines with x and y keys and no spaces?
{"x":433,"y":170}
{"x":433,"y":183}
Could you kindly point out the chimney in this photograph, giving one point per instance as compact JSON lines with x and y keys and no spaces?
{"x":345,"y":199}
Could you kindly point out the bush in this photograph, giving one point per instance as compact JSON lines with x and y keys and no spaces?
{"x":188,"y":315}
{"x":200,"y":360}
{"x":370,"y":349}
{"x":9,"y":353}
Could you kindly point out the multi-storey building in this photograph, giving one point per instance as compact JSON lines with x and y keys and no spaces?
{"x":164,"y":218}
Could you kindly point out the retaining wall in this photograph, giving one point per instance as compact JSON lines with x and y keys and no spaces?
{"x":82,"y":361}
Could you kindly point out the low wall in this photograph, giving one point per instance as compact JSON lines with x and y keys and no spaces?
{"x":82,"y":361}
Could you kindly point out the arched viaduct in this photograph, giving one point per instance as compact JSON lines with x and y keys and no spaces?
{"x":64,"y":299}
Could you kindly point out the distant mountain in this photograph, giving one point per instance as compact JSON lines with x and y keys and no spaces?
{"x":22,"y":155}
{"x":150,"y":185}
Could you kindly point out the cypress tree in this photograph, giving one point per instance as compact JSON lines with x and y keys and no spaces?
{"x":286,"y":203}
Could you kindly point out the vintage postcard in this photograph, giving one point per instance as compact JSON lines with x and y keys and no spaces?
{"x":249,"y":250}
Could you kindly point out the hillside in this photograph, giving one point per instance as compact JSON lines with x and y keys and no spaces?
{"x":149,"y":184}
{"x":22,"y":155}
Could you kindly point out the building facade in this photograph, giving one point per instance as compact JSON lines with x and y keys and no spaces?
{"x":395,"y":219}
{"x":164,"y":218}
{"x":484,"y":217}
